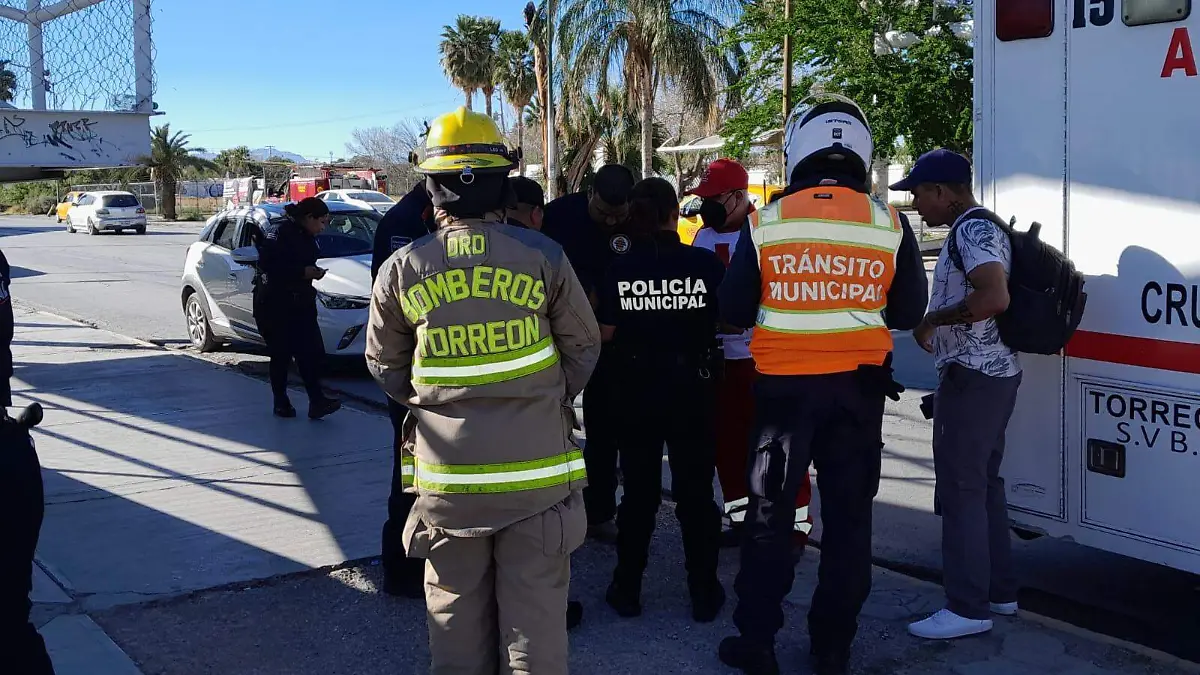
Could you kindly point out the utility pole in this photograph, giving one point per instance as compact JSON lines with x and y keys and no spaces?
{"x":551,"y":141}
{"x":787,"y":84}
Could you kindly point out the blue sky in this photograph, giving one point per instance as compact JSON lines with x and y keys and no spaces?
{"x":300,"y":75}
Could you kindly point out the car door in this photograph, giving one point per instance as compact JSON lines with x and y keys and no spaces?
{"x":77,"y":214}
{"x":241,"y":277}
{"x":216,"y":266}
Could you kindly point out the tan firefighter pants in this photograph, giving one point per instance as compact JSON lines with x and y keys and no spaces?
{"x":497,"y":604}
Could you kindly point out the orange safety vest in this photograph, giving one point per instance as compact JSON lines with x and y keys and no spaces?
{"x":827,"y":256}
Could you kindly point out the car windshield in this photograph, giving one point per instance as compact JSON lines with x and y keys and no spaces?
{"x":120,"y":201}
{"x":348,"y":233}
{"x":690,"y":208}
{"x":374,"y":197}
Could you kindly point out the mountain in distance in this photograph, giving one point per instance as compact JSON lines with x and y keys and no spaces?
{"x":260,"y":154}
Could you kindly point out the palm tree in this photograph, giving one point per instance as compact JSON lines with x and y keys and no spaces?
{"x":514,"y":73}
{"x":535,"y":30}
{"x":169,"y":158}
{"x":235,"y":161}
{"x":486,"y":38}
{"x":8,"y":83}
{"x":651,"y":43}
{"x":460,"y":60}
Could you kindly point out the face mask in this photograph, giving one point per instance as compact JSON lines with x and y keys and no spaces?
{"x":713,"y":213}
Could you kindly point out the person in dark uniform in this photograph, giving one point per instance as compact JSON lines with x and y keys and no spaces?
{"x":530,"y":209}
{"x":592,"y":228}
{"x":21,"y":502}
{"x":410,"y":219}
{"x":6,"y":335}
{"x":823,"y":276}
{"x":658,"y":311}
{"x":285,"y":304}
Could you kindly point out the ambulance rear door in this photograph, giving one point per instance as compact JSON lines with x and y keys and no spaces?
{"x":1133,"y":227}
{"x":1020,"y":169}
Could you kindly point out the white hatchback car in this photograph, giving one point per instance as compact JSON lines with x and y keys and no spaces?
{"x":107,"y":211}
{"x":364,"y":199}
{"x":218,"y":277}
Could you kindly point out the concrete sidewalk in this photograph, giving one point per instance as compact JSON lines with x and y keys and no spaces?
{"x":166,"y":475}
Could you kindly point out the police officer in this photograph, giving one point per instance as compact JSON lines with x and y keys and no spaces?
{"x":658,"y":311}
{"x":821,"y":275}
{"x":483,"y":330}
{"x":410,"y":219}
{"x":285,"y":304}
{"x":6,"y":335}
{"x":21,"y":502}
{"x":592,"y":228}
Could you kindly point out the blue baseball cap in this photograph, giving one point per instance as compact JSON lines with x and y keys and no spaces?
{"x":937,"y":166}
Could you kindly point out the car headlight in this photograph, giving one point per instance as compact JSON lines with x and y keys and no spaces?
{"x":332,"y":301}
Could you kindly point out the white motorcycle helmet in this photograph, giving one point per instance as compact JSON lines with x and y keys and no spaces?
{"x":828,"y":126}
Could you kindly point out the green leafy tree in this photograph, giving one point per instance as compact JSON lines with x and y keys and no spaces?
{"x":468,"y":50}
{"x":169,"y":158}
{"x":899,"y":60}
{"x":237,"y":162}
{"x":650,"y":43}
{"x":8,"y":83}
{"x":514,"y":74}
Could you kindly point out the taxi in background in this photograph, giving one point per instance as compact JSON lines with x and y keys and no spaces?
{"x":689,"y":210}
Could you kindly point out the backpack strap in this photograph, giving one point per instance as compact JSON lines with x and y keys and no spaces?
{"x":955,"y":253}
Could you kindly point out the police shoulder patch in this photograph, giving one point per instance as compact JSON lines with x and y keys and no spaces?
{"x":398,"y":243}
{"x":619,"y":243}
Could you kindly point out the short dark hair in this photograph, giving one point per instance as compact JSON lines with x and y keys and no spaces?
{"x":528,"y":191}
{"x":307,"y":207}
{"x":958,"y":188}
{"x":613,"y":184}
{"x":651,"y":202}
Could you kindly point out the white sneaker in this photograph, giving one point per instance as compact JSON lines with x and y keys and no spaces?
{"x":946,"y":625}
{"x":1004,"y":608}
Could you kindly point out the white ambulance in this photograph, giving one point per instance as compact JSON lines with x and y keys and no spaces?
{"x":1087,"y":119}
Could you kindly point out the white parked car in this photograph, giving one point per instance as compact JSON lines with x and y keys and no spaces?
{"x":218,"y":277}
{"x":107,"y":211}
{"x":363,"y":199}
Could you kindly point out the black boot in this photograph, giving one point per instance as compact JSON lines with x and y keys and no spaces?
{"x":408,"y":581}
{"x":707,"y":601}
{"x":284,"y":408}
{"x":830,"y":663}
{"x":625,"y":599}
{"x":748,"y":657}
{"x":574,"y":614}
{"x":322,"y":408}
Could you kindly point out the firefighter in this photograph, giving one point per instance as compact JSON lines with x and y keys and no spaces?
{"x":657,"y":309}
{"x":21,"y":501}
{"x":592,"y":227}
{"x":821,"y":275}
{"x":410,"y":219}
{"x":485,"y":333}
{"x":725,"y":209}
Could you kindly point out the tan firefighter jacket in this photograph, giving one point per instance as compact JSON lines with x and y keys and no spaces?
{"x":483,"y":330}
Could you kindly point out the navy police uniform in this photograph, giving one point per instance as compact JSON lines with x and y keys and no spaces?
{"x":410,"y":219}
{"x":6,"y":332}
{"x":22,"y":650}
{"x":661,"y":299}
{"x":590,"y":248}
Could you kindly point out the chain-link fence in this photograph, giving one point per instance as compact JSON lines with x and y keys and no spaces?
{"x":91,"y":54}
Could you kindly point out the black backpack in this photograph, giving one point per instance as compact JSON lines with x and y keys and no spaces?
{"x":1046,"y":298}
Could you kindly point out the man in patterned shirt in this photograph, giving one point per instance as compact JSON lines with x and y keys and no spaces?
{"x":978,"y":376}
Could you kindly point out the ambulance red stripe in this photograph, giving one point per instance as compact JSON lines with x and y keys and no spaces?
{"x":1182,"y":357}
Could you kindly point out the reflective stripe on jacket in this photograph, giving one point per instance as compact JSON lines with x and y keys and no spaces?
{"x":827,"y":257}
{"x":485,"y":333}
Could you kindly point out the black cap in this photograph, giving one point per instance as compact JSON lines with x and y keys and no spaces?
{"x":528,"y":191}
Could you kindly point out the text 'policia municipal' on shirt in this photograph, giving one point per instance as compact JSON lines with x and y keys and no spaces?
{"x":664,"y":294}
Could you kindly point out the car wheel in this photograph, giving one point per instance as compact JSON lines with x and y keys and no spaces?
{"x":141,"y":230}
{"x":70,"y":226}
{"x":92,"y":227}
{"x":199,"y":329}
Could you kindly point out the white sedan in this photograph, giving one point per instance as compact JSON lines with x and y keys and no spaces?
{"x":363,"y":199}
{"x":218,"y":277}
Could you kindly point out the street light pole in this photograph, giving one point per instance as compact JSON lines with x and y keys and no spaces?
{"x":551,"y":142}
{"x":787,"y":81}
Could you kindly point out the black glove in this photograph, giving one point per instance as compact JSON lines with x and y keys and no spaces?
{"x":878,"y":380}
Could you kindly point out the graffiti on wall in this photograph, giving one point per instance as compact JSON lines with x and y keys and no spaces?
{"x":65,"y":139}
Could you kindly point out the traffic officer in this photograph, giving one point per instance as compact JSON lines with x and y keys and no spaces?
{"x":21,"y":502}
{"x":285,"y":304}
{"x":592,"y":227}
{"x":410,"y":219}
{"x":658,"y":310}
{"x":725,"y":209}
{"x":821,"y":275}
{"x":484,"y":332}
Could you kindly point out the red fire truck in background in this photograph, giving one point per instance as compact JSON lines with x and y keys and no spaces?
{"x":308,"y":181}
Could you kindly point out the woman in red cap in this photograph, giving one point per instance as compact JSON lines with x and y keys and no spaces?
{"x":726,"y":206}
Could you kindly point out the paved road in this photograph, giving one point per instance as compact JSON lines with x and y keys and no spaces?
{"x":129,"y":284}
